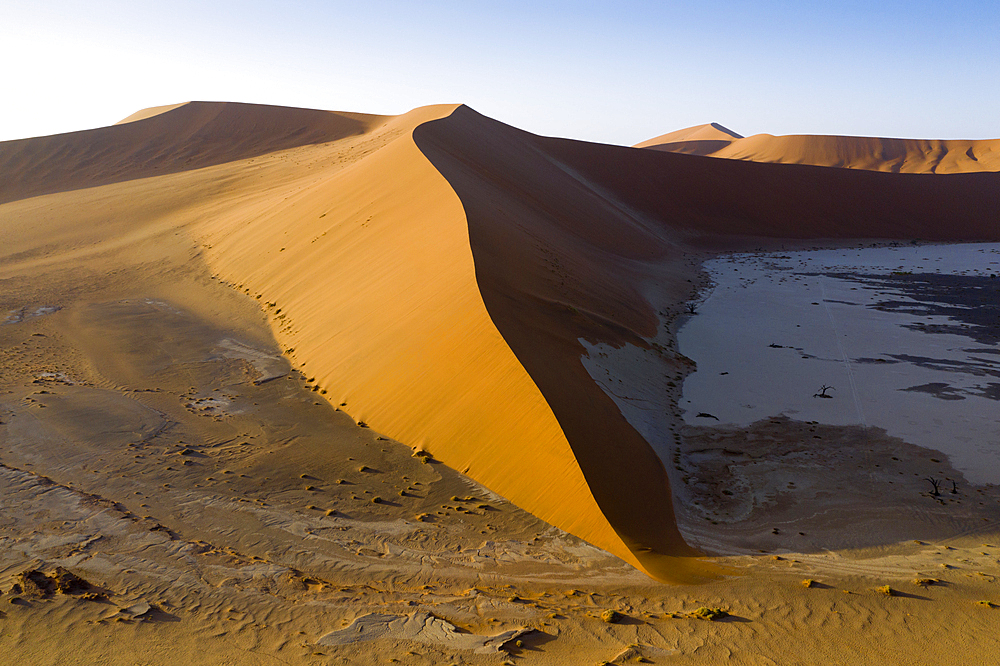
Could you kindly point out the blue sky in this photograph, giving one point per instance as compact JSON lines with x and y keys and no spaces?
{"x":601,"y":71}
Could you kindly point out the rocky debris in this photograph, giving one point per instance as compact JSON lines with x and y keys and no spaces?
{"x":36,"y":584}
{"x":421,"y":627}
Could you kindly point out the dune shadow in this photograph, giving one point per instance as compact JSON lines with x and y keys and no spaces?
{"x":899,"y":594}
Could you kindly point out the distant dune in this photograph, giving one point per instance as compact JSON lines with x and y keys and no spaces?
{"x":852,"y":152}
{"x":697,"y":140}
{"x":435,"y":272}
{"x":165,"y":140}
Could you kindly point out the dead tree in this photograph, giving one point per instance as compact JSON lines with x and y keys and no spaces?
{"x":822,"y":392}
{"x":692,"y":308}
{"x":936,"y":483}
{"x":954,"y":488}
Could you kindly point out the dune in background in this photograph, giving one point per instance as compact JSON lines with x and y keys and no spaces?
{"x":850,"y":152}
{"x":168,"y":139}
{"x":697,"y":140}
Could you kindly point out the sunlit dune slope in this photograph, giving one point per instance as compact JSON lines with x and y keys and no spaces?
{"x":187,"y":136}
{"x":142,"y":114}
{"x":697,"y":140}
{"x":373,"y":269}
{"x":358,"y":250}
{"x":852,"y":152}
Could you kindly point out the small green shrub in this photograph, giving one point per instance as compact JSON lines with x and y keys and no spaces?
{"x":707,"y":613}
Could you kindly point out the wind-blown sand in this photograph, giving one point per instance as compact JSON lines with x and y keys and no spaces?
{"x":229,"y":328}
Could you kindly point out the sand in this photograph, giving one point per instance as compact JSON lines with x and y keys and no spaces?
{"x":270,"y":372}
{"x":939,"y":156}
{"x":698,"y":140}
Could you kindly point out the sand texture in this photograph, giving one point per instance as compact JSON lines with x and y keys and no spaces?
{"x":295,"y":386}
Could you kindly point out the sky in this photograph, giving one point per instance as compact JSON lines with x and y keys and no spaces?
{"x":613,"y":72}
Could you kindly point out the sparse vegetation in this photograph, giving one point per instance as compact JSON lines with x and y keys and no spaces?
{"x":936,"y":484}
{"x":886,"y":590}
{"x":822,"y":393}
{"x":709,"y":613}
{"x":612,"y":616}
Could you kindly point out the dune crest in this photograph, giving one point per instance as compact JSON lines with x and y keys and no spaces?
{"x":142,"y":114}
{"x":850,"y":152}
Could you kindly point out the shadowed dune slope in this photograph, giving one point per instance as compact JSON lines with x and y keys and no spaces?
{"x":567,"y":235}
{"x":358,"y":250}
{"x":851,"y":152}
{"x":556,"y":260}
{"x":157,"y":141}
{"x":716,"y":201}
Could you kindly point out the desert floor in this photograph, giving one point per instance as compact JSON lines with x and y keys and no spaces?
{"x":219,"y":512}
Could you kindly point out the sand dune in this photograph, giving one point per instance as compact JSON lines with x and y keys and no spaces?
{"x":570,"y":237}
{"x":165,"y":140}
{"x":370,"y":281}
{"x":708,"y":200}
{"x":697,"y":140}
{"x":402,"y":335}
{"x":850,"y":152}
{"x":142,"y":114}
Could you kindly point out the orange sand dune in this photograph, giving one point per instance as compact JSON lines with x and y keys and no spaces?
{"x":361,"y":250}
{"x":852,"y":152}
{"x":568,"y":237}
{"x":697,"y":140}
{"x":165,"y":140}
{"x":142,"y":114}
{"x":717,"y":201}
